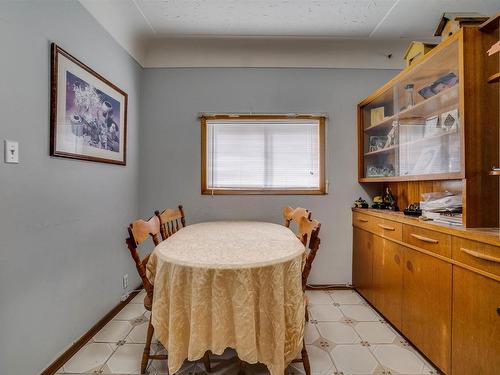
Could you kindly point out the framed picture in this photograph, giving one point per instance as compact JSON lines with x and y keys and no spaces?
{"x":88,"y":114}
{"x":449,"y":120}
{"x":376,"y":115}
{"x":432,"y":125}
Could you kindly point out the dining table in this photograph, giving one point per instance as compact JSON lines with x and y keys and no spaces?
{"x":229,"y":284}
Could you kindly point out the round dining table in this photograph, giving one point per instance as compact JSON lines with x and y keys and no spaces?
{"x":232,"y":284}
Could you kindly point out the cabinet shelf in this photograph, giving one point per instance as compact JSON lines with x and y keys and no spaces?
{"x":421,"y":110}
{"x":417,"y":141}
{"x":494,"y":78}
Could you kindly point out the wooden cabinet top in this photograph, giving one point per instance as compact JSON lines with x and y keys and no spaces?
{"x":486,"y":235}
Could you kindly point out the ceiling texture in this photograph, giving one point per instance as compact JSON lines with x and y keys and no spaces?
{"x":143,"y":26}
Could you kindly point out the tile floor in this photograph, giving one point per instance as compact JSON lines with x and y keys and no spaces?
{"x":344,"y":336}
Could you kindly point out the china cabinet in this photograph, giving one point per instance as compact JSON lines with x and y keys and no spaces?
{"x":434,"y":127}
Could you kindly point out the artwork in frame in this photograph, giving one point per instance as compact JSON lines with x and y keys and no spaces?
{"x":88,"y":113}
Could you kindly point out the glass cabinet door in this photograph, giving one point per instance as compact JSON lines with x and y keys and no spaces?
{"x":414,"y":127}
{"x":380,"y":136}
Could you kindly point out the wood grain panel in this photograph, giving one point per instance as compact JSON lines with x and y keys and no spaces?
{"x":409,"y":192}
{"x":362,"y":262}
{"x":427,"y":239}
{"x":426,"y":311}
{"x":476,"y":324}
{"x":388,"y":279}
{"x":476,"y":254}
{"x":480,"y":118}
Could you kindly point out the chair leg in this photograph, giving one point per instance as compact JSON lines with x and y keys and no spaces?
{"x":307,"y":314}
{"x":305,"y":359}
{"x":147,"y":348}
{"x":206,"y":361}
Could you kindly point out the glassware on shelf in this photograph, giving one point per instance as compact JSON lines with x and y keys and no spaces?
{"x":410,"y":99}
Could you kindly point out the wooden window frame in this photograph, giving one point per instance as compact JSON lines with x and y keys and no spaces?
{"x":235,"y":191}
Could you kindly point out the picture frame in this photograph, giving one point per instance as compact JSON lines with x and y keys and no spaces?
{"x":442,"y":83}
{"x":88,"y":113}
{"x":450,"y":120}
{"x":432,"y":125}
{"x":377,"y":115}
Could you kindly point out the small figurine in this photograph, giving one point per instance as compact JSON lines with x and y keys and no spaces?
{"x":389,"y":202}
{"x":413,"y":210}
{"x":377,"y":202}
{"x":360,"y":203}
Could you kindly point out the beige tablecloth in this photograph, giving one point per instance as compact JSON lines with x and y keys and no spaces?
{"x":229,"y":284}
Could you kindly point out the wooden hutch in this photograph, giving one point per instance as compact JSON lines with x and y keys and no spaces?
{"x":434,"y":127}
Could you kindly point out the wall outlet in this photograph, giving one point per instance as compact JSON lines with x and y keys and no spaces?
{"x":11,"y":151}
{"x":125,"y":281}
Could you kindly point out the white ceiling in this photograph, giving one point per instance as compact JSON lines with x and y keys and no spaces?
{"x":135,"y":23}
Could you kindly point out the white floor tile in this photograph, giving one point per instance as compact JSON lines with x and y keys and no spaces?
{"x":126,"y":360}
{"x":398,"y":359}
{"x":338,"y":332}
{"x":114,"y":331}
{"x":346,"y":297}
{"x":139,"y":298}
{"x":130,"y":312}
{"x":326,"y":313}
{"x":310,"y":333}
{"x":348,"y":356}
{"x":375,"y":332}
{"x":139,"y":333}
{"x":359,"y":313}
{"x":321,"y":363}
{"x":317,"y":297}
{"x":354,"y":359}
{"x":91,"y":357}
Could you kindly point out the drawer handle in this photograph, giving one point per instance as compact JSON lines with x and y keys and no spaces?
{"x":425,"y":239}
{"x":392,"y":229}
{"x":479,"y":255}
{"x":363,"y":220}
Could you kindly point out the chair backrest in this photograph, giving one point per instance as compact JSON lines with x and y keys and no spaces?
{"x":171,"y":220}
{"x":295,"y":214}
{"x":309,"y":235}
{"x":139,"y":231}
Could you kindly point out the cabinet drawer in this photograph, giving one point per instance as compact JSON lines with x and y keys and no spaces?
{"x":436,"y":242}
{"x":389,"y":229}
{"x":363,"y":221}
{"x":381,"y":227}
{"x":476,"y":254}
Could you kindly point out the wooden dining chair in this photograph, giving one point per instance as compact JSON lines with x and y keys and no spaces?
{"x":295,"y":214}
{"x":171,"y":221}
{"x":309,"y":235}
{"x":139,"y":231}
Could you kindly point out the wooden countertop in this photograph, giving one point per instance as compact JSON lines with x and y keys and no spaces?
{"x":486,"y":235}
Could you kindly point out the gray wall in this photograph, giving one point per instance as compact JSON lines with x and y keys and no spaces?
{"x":170,"y":145}
{"x":62,"y":222}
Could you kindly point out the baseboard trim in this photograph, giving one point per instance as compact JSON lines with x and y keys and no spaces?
{"x":328,"y":287}
{"x":78,"y":344}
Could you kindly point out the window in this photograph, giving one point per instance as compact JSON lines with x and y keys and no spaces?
{"x":261,"y":154}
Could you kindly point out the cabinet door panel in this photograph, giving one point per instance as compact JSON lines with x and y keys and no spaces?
{"x":388,"y":279}
{"x":362,"y":262}
{"x":476,"y":324}
{"x":426,"y":313}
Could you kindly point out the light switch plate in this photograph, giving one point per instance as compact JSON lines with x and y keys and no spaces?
{"x":11,"y":151}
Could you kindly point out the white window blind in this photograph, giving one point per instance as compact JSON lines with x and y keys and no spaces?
{"x":263,"y":154}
